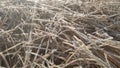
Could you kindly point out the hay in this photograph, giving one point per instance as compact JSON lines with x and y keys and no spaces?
{"x":60,"y":34}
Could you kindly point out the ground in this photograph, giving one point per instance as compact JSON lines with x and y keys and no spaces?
{"x":59,"y":33}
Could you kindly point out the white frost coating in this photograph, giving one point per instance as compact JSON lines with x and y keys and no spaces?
{"x":34,"y":0}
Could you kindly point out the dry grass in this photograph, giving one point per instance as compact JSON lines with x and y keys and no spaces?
{"x":60,"y":34}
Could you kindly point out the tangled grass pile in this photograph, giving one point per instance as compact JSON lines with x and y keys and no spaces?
{"x":60,"y":34}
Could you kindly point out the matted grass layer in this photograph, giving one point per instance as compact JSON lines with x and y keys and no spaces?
{"x":60,"y":34}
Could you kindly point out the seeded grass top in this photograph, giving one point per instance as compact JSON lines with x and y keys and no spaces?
{"x":59,"y":33}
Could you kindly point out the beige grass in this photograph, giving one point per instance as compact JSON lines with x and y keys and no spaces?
{"x":60,"y":34}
